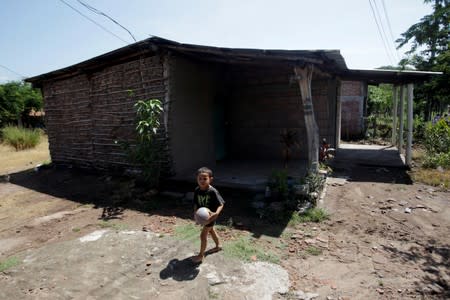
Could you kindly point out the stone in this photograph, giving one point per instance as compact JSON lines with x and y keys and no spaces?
{"x":420,"y":206}
{"x":408,"y":210}
{"x":390,"y":200}
{"x":403,"y":203}
{"x":418,"y":197}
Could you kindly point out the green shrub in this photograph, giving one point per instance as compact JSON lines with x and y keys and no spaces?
{"x":419,"y":128}
{"x":21,"y":138}
{"x":437,"y":137}
{"x":436,"y":160}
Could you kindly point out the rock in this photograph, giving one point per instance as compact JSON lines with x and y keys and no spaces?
{"x":403,"y":203}
{"x":435,"y":288}
{"x":300,"y":189}
{"x":418,"y":197}
{"x":380,"y":291}
{"x":408,"y":210}
{"x":310,"y":241}
{"x":440,"y":169}
{"x":305,"y":296}
{"x":390,"y":200}
{"x":420,"y":206}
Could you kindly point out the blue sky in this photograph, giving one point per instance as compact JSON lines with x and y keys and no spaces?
{"x":45,"y":35}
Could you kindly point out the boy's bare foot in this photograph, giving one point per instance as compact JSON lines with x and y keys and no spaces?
{"x":198,"y":259}
{"x":214,"y":250}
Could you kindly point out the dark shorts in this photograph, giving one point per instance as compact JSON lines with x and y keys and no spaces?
{"x":211,"y":224}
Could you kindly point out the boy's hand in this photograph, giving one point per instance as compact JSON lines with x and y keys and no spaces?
{"x":212,"y":216}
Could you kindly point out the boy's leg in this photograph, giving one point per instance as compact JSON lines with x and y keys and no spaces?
{"x":215,"y":237}
{"x":203,"y":241}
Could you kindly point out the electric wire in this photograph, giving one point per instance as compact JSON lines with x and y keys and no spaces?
{"x":386,"y":39}
{"x":96,"y":23}
{"x":380,"y":33}
{"x":93,"y":9}
{"x":390,"y":28}
{"x":10,"y":70}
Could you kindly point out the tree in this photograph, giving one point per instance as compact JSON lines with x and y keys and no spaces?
{"x":430,"y":51}
{"x":17,"y":99}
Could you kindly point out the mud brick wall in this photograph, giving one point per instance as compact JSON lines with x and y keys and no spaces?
{"x":87,"y":113}
{"x":263,"y":103}
{"x":352,"y":105}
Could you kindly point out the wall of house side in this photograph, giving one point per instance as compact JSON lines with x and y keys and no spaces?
{"x":263,"y":103}
{"x":352,"y":109}
{"x":193,"y":88}
{"x":87,"y":113}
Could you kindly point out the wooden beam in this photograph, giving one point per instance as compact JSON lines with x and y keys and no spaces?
{"x":394,"y":114}
{"x":409,"y":124}
{"x":338,"y":114}
{"x":304,"y":76}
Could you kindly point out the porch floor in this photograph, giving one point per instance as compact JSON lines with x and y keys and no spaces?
{"x":251,"y":175}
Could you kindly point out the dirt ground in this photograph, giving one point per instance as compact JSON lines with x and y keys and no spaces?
{"x":387,"y":238}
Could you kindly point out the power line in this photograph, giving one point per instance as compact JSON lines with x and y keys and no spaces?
{"x":6,"y":68}
{"x":93,"y":9}
{"x":390,"y":28}
{"x":99,"y":25}
{"x":377,"y":12}
{"x":380,"y":32}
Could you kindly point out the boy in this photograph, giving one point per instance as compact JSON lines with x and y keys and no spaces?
{"x":207,"y":196}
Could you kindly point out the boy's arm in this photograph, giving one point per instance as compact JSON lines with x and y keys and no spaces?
{"x":214,"y":215}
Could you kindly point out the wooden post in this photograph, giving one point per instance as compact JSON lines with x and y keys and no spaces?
{"x":338,"y":114}
{"x":394,"y":114}
{"x":401,"y":125}
{"x":409,"y":124}
{"x":304,"y":77}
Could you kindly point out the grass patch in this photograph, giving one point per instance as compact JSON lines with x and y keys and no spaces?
{"x":115,"y":226}
{"x":244,"y":249}
{"x":9,"y":263}
{"x":311,"y":215}
{"x":20,"y":138}
{"x":188,"y":232}
{"x":311,"y":250}
{"x":432,"y":177}
{"x":76,"y":229}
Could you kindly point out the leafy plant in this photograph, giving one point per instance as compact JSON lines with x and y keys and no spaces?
{"x":147,"y":151}
{"x":20,"y":138}
{"x":437,"y":137}
{"x":279,"y":184}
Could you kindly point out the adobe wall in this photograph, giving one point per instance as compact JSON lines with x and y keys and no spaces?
{"x":87,"y":113}
{"x":264,"y":102}
{"x":352,"y":109}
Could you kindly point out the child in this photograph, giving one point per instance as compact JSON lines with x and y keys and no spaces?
{"x":207,"y":196}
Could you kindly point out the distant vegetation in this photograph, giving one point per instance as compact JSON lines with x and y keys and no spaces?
{"x":20,"y":138}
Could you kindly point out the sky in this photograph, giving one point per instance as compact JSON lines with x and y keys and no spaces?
{"x":39,"y":36}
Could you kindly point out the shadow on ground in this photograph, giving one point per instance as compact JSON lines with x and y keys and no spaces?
{"x":116,"y":194}
{"x":180,"y":270}
{"x":434,"y":260}
{"x":370,"y":163}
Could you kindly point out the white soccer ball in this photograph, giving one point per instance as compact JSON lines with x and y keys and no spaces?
{"x":202,"y":215}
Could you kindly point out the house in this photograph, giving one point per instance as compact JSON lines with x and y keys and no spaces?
{"x":220,"y":104}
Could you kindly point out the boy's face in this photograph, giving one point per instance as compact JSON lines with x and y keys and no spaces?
{"x":204,"y":180}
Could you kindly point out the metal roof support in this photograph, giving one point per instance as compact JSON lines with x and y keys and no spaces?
{"x":409,"y":123}
{"x":304,"y":77}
